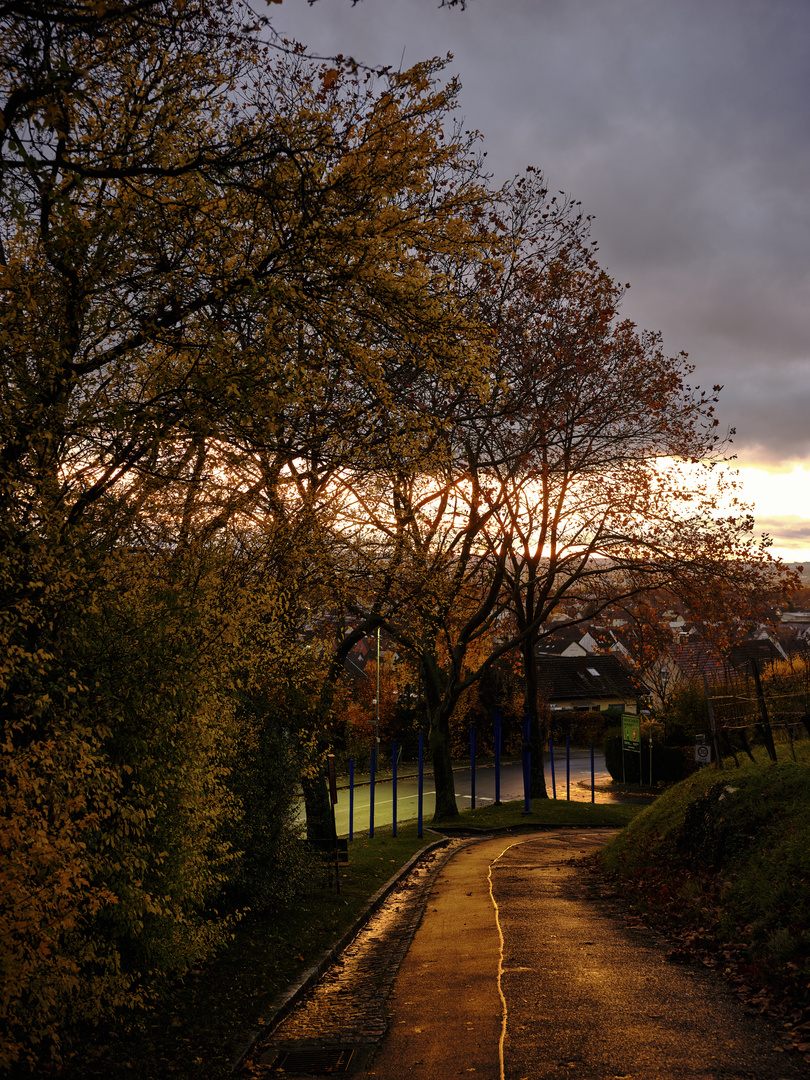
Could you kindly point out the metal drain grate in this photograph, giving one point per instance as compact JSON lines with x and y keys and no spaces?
{"x":312,"y":1062}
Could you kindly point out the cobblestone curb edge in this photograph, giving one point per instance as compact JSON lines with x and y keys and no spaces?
{"x":289,"y":998}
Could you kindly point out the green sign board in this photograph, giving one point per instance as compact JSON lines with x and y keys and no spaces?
{"x":631,"y":732}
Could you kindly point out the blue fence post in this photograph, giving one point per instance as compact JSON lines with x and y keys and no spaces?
{"x":527,"y":765}
{"x":371,"y":792}
{"x":421,"y":783}
{"x":553,"y":778}
{"x":497,"y":718}
{"x":394,"y":784}
{"x":568,"y":768}
{"x":351,"y":798}
{"x":472,"y":766}
{"x":593,"y":775}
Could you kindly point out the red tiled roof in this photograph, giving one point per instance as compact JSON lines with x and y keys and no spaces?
{"x":696,"y":659}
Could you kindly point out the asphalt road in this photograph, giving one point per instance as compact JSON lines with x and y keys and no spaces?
{"x":511,"y":788}
{"x":515,"y":974}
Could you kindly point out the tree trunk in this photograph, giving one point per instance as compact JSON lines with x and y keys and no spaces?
{"x":318,"y":807}
{"x":439,"y":710}
{"x":443,"y":780}
{"x":537,"y":777}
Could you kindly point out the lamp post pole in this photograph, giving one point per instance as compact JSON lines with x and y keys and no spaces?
{"x":377,"y":701}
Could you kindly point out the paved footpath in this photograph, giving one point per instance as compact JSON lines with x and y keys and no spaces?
{"x":491,"y":961}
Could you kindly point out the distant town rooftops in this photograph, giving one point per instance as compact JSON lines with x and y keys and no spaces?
{"x":694,"y":659}
{"x":795,"y":618}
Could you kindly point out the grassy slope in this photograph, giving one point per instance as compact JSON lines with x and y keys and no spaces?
{"x":721,"y":862}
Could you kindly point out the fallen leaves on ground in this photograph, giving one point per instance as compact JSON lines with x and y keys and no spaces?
{"x":782,"y":997}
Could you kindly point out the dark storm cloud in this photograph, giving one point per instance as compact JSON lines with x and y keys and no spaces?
{"x":684,"y":127}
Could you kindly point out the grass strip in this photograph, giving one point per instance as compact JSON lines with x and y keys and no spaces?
{"x":544,"y":812}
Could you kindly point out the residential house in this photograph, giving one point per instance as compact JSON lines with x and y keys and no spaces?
{"x":567,"y":641}
{"x":694,"y":659}
{"x":588,"y":682}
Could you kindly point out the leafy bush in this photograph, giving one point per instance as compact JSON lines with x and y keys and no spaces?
{"x":120,"y":811}
{"x":686,"y":714}
{"x":272,"y":867}
{"x":669,"y":763}
{"x":582,"y":728}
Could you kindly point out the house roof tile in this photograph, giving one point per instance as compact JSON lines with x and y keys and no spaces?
{"x":589,"y":678}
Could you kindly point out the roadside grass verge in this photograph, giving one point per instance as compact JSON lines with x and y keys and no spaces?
{"x":545,"y":812}
{"x":721,"y":862}
{"x":193,"y":1027}
{"x":191,"y":1031}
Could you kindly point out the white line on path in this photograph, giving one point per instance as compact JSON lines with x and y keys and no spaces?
{"x":390,"y":802}
{"x":502,"y":1039}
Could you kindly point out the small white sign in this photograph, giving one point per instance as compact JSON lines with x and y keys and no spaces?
{"x":703,"y":753}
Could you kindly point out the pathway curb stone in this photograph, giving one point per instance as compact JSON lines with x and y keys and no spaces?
{"x":286,"y":1001}
{"x":381,"y":971}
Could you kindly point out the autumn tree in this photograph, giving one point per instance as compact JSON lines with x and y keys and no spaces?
{"x":590,"y":462}
{"x":214,"y":262}
{"x":563,"y":488}
{"x":641,"y":636}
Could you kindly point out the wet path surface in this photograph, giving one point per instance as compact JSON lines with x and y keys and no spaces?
{"x":587,"y":997}
{"x":491,"y":960}
{"x":346,"y":1009}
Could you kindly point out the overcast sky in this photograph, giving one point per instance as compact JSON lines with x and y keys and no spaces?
{"x":683,"y":126}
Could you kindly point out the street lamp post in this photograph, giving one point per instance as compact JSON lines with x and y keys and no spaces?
{"x":377,"y":702}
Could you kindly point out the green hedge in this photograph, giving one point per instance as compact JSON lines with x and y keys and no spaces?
{"x":668,"y":762}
